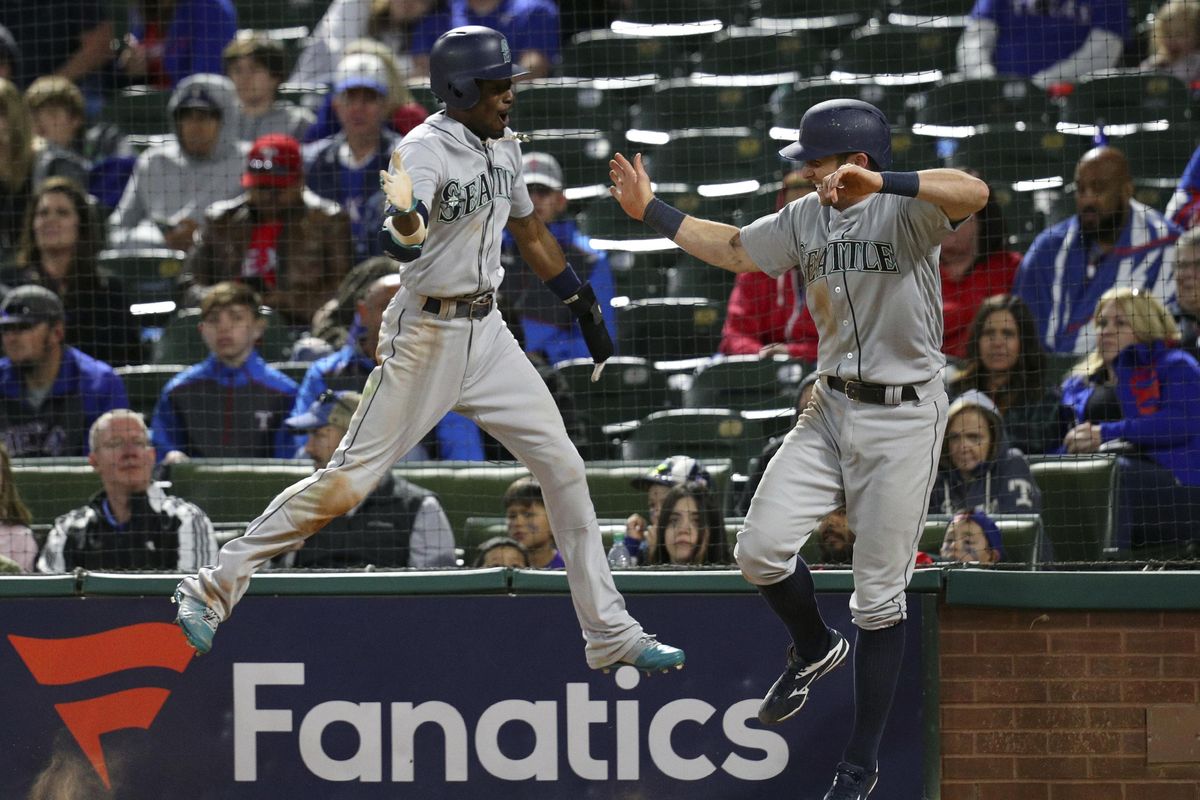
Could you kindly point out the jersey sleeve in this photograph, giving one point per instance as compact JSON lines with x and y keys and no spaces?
{"x":522,"y":206}
{"x":424,"y":167}
{"x":773,"y":242}
{"x":928,"y":223}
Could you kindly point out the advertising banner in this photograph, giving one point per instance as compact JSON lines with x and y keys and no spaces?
{"x":421,"y":697}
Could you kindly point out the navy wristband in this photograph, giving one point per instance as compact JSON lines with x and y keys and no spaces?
{"x":901,"y":183}
{"x":663,"y":218}
{"x":565,"y":284}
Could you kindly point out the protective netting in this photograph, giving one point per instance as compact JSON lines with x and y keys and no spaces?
{"x":156,"y":149}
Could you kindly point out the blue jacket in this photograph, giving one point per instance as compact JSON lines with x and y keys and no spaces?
{"x":356,"y":190}
{"x":1159,"y":389}
{"x":526,"y":24}
{"x":1053,"y":277}
{"x":213,"y":411}
{"x":347,"y":369}
{"x":84,"y":389}
{"x":196,"y":36}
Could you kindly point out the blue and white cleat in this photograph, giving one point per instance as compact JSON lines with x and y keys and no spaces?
{"x":649,"y":654}
{"x":198,"y":621}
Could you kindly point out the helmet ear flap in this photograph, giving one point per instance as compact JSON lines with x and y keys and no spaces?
{"x":466,"y":92}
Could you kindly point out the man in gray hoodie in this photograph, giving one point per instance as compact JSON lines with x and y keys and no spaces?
{"x":173,"y":183}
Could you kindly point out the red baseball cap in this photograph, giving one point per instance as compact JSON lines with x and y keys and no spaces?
{"x":274,"y":160}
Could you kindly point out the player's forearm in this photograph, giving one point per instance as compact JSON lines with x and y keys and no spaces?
{"x":714,"y":243}
{"x":956,"y":192}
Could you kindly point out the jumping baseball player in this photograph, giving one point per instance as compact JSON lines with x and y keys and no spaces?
{"x":866,"y":243}
{"x":454,"y":183}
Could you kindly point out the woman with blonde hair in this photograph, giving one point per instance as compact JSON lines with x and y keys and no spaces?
{"x":1138,"y":394}
{"x":1175,"y":41}
{"x":16,"y":539}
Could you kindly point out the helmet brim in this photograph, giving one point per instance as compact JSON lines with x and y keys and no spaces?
{"x":500,"y":71}
{"x":797,"y":152}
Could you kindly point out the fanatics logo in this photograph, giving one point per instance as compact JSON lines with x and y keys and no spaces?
{"x":61,"y":662}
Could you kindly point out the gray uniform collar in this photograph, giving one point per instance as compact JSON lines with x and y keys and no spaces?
{"x":461,"y":133}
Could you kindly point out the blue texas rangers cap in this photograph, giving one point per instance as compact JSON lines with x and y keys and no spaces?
{"x":331,"y":408}
{"x":361,"y":71}
{"x":29,"y":305}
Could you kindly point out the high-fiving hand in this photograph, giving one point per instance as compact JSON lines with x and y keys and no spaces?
{"x":397,"y":185}
{"x":630,"y":184}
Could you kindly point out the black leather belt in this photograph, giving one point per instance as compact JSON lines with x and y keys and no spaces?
{"x":459,"y":307}
{"x":875,"y":393}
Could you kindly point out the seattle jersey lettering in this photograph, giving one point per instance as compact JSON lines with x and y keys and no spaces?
{"x":459,"y":200}
{"x":850,"y":255}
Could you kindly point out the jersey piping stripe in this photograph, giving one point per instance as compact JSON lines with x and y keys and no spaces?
{"x":854,"y":317}
{"x":934,"y":457}
{"x":487,"y":226}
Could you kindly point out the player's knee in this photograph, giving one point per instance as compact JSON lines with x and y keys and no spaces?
{"x":884,"y":615}
{"x":761,"y":564}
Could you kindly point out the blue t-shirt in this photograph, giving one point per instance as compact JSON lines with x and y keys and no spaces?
{"x":526,"y":24}
{"x":1035,"y":35}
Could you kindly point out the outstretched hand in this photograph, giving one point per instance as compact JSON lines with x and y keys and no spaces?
{"x":630,"y":185}
{"x":847,"y":184}
{"x":397,"y":185}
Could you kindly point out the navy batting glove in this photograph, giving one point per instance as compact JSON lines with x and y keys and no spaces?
{"x":591,"y":323}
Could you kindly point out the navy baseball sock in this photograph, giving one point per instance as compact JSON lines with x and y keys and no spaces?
{"x":877,"y":657}
{"x":794,"y":599}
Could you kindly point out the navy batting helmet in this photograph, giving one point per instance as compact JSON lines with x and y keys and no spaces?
{"x":462,"y":55}
{"x":842,"y":126}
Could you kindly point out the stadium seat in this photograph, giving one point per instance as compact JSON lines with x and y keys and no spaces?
{"x":744,"y":383}
{"x":139,"y":111}
{"x":1154,"y":192}
{"x":708,"y":158}
{"x":628,"y":388}
{"x":876,"y":49}
{"x":704,"y":433}
{"x":557,"y":104}
{"x":51,"y":487}
{"x":605,"y":54}
{"x":789,"y":102}
{"x":669,"y":328}
{"x":280,"y":14}
{"x":1023,"y":221}
{"x":1078,"y":504}
{"x":699,"y":102}
{"x":691,"y":277}
{"x":582,"y":153}
{"x":1009,"y":156}
{"x":181,"y":343}
{"x":1022,"y":535}
{"x":602,"y":218}
{"x":930,"y":13}
{"x":671,"y":12}
{"x":144,"y":384}
{"x":959,"y":102}
{"x":149,"y":276}
{"x":829,"y":17}
{"x":422,"y":92}
{"x":755,"y":51}
{"x":1158,"y":155}
{"x":1123,"y":97}
{"x":234,"y":491}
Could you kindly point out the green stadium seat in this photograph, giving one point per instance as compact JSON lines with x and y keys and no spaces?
{"x":671,"y":12}
{"x":691,"y":277}
{"x":144,"y":384}
{"x":139,"y":111}
{"x":701,"y":102}
{"x":756,"y":51}
{"x":51,"y":487}
{"x":1023,"y":220}
{"x":181,"y":342}
{"x":828,"y":16}
{"x":1078,"y":504}
{"x":911,"y":152}
{"x":789,"y":102}
{"x":876,"y":49}
{"x":234,"y":491}
{"x":931,"y":13}
{"x":149,"y":276}
{"x":669,"y":328}
{"x":1154,"y":192}
{"x":959,"y":102}
{"x":712,"y":157}
{"x":583,"y":154}
{"x":557,"y":104}
{"x":1022,"y":535}
{"x":704,"y":433}
{"x":422,"y":92}
{"x":628,"y":388}
{"x":605,"y":54}
{"x":1158,"y":156}
{"x":1118,"y":97}
{"x":745,"y":383}
{"x":1009,"y":156}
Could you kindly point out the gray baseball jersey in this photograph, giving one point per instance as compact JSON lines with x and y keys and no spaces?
{"x":871,"y":282}
{"x":470,"y":189}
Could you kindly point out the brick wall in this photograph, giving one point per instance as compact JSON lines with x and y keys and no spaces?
{"x":1052,"y":705}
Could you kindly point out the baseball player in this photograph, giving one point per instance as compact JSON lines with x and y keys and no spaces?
{"x":867,"y":244}
{"x":454,"y":183}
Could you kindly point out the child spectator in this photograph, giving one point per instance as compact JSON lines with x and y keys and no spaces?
{"x":973,"y":537}
{"x":231,"y":405}
{"x":256,"y":65}
{"x":56,"y":110}
{"x":671,"y":472}
{"x":501,"y":551}
{"x":1175,"y":41}
{"x":529,"y":524}
{"x":690,"y":530}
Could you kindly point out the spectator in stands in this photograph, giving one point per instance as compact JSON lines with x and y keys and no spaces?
{"x":835,"y":540}
{"x":1184,"y":206}
{"x":528,"y":523}
{"x":399,"y":524}
{"x":71,"y":38}
{"x":804,"y":393}
{"x":10,"y":55}
{"x":345,"y":167}
{"x":530,"y":26}
{"x":1113,"y":240}
{"x":979,"y":470}
{"x":690,"y":530}
{"x":1140,"y":394}
{"x":1049,"y":43}
{"x":170,"y":40}
{"x":1175,"y":41}
{"x":279,"y":237}
{"x":767,"y":316}
{"x":501,"y":551}
{"x":231,"y":405}
{"x":50,"y":393}
{"x":62,"y":237}
{"x":131,"y":523}
{"x":974,"y":265}
{"x":1186,"y":309}
{"x":256,"y":66}
{"x":174,"y":183}
{"x":57,"y":116}
{"x":16,"y":166}
{"x":973,"y":537}
{"x":403,"y":111}
{"x":670,"y":472}
{"x":337,"y":316}
{"x":545,"y":324}
{"x":16,"y":539}
{"x":1006,"y":362}
{"x":407,"y":27}
{"x":456,"y":437}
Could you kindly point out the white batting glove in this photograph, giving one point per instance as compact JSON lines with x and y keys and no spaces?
{"x":397,"y":185}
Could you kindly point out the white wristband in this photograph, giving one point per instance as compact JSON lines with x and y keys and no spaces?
{"x":408,"y":239}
